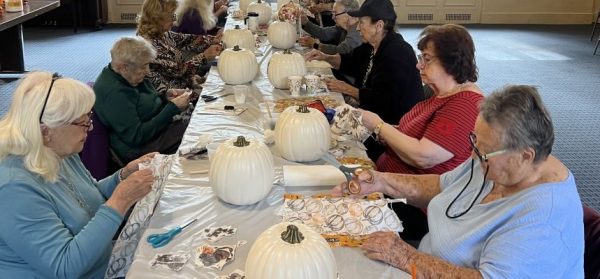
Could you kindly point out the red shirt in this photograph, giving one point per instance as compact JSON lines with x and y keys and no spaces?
{"x":444,"y":121}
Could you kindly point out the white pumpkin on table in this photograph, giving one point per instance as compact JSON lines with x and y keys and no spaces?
{"x":237,"y":65}
{"x":290,"y":251}
{"x":282,"y":34}
{"x":263,"y":9}
{"x":284,"y":64}
{"x":241,"y":171}
{"x":243,"y":5}
{"x":302,"y":134}
{"x":241,"y":37}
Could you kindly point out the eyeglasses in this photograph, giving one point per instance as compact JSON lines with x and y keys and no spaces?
{"x":424,"y":60}
{"x":338,"y":14}
{"x":482,"y":157}
{"x":55,"y":76}
{"x":89,"y":124}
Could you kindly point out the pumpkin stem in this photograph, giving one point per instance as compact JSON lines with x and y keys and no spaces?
{"x":237,"y":26}
{"x":291,"y":235}
{"x":241,"y":142}
{"x":236,"y":48}
{"x":302,"y":109}
{"x":287,"y":51}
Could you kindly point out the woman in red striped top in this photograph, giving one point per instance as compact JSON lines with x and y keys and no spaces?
{"x":433,"y":137}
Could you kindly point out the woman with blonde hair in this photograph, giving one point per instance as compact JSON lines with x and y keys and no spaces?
{"x":57,"y":221}
{"x":172,"y":68}
{"x":195,"y":17}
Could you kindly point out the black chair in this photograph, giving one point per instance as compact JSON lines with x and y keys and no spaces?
{"x":97,"y":156}
{"x":591,"y":258}
{"x":594,"y":28}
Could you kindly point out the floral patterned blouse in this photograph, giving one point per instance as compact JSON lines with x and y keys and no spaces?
{"x":173,"y":66}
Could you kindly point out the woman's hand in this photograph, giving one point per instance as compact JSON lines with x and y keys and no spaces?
{"x":314,"y":55}
{"x":336,"y":85}
{"x":212,"y":51}
{"x":388,"y":247}
{"x":182,"y":101}
{"x":370,"y":119}
{"x":172,"y":93}
{"x":369,"y":181}
{"x":133,"y":166}
{"x":129,"y":191}
{"x":306,"y":41}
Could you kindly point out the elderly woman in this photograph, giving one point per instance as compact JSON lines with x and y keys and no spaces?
{"x":195,"y":17}
{"x":139,"y":119}
{"x":511,"y":211}
{"x":57,"y":221}
{"x":385,"y":79}
{"x":344,"y":33}
{"x":172,"y":68}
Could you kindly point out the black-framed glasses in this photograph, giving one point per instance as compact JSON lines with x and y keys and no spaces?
{"x":55,"y":76}
{"x":89,"y":124}
{"x":333,"y":15}
{"x":482,"y":157}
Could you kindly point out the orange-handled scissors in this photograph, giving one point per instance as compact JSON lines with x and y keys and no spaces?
{"x":353,"y":186}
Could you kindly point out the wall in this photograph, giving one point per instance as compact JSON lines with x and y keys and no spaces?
{"x":538,"y":11}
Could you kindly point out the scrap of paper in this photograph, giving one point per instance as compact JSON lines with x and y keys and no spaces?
{"x":214,"y":234}
{"x":215,"y":257}
{"x":236,"y":274}
{"x":174,"y":262}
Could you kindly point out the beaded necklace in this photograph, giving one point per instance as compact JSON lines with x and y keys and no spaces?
{"x":76,"y":194}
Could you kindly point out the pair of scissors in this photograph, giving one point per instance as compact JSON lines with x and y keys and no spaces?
{"x":161,"y":239}
{"x":353,"y":186}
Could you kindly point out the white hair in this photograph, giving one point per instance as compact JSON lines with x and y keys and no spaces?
{"x":20,"y":129}
{"x":205,"y":9}
{"x":132,"y":50}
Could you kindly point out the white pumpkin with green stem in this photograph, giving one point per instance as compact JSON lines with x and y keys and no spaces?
{"x":282,"y":34}
{"x":241,"y":171}
{"x":237,"y":65}
{"x":302,"y":134}
{"x":241,"y":37}
{"x":263,"y":9}
{"x":285,"y":64}
{"x":290,"y":251}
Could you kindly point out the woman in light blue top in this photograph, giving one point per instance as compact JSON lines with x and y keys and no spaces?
{"x":57,"y":221}
{"x":511,"y":211}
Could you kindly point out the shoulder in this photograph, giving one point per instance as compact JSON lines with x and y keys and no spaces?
{"x":14,"y":177}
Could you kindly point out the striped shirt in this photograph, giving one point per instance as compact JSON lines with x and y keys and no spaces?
{"x":444,"y":121}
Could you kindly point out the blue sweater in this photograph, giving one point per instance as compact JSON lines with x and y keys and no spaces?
{"x":535,"y":233}
{"x":45,"y":232}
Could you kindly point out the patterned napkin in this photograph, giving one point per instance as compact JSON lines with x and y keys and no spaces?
{"x":348,"y":122}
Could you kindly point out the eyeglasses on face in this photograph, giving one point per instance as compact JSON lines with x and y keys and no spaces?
{"x":482,"y":157}
{"x":424,"y":61}
{"x":334,"y":15}
{"x":55,"y":76}
{"x":89,"y":124}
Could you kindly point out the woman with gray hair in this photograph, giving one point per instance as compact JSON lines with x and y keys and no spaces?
{"x":512,"y":211}
{"x":138,"y":117}
{"x":57,"y":221}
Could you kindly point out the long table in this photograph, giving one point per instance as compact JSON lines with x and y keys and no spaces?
{"x":187,"y":196}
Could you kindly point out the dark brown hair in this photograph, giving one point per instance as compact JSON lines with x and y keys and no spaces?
{"x":454,"y":48}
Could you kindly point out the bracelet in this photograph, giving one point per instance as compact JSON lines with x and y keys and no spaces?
{"x":121,"y":175}
{"x":316,"y":46}
{"x":377,"y":130}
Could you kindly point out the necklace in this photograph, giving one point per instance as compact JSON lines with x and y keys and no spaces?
{"x":76,"y":194}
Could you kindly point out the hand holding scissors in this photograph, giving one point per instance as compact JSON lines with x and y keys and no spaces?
{"x":161,"y":239}
{"x":353,"y":186}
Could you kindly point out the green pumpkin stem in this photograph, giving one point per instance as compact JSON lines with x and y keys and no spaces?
{"x":291,"y":235}
{"x":236,"y":48}
{"x":302,"y":109}
{"x":241,"y":142}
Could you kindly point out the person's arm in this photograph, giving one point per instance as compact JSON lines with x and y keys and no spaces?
{"x":122,"y":117}
{"x":350,"y":42}
{"x":32,"y":229}
{"x":191,"y":42}
{"x":322,"y":33}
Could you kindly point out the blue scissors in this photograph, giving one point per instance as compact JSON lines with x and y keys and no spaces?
{"x":353,"y":186}
{"x":161,"y":239}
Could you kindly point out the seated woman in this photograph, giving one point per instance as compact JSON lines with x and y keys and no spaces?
{"x":138,"y":118}
{"x":57,"y":220}
{"x":432,"y":138}
{"x":172,"y":68}
{"x":195,"y":17}
{"x":511,"y":211}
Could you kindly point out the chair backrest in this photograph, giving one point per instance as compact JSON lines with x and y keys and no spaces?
{"x":591,"y":258}
{"x":95,"y":153}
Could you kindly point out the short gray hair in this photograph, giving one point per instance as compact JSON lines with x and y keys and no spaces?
{"x":132,"y":51}
{"x":349,"y":5}
{"x":519,"y":114}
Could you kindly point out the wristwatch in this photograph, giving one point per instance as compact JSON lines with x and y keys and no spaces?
{"x":377,"y":129}
{"x":316,"y":45}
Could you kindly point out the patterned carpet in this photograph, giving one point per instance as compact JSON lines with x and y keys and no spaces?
{"x":557,"y":59}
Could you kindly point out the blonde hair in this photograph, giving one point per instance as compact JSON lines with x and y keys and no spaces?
{"x":152,"y":15}
{"x":205,"y":9}
{"x":20,"y":129}
{"x":132,"y":51}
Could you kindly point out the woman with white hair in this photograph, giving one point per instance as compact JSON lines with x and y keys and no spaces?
{"x":57,"y":221}
{"x":194,"y":17}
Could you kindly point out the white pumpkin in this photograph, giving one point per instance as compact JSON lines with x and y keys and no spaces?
{"x":237,"y":65}
{"x":285,"y":64}
{"x":282,"y":34}
{"x":241,"y":171}
{"x":263,"y":9}
{"x":302,"y":134}
{"x":243,"y":5}
{"x":241,"y":37}
{"x":290,"y":251}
